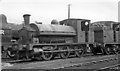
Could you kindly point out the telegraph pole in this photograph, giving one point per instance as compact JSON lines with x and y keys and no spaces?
{"x":69,"y":11}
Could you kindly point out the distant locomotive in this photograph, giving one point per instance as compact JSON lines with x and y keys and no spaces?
{"x":64,"y":38}
{"x":107,"y":33}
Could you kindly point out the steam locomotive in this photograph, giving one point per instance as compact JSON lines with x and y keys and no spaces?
{"x":65,"y":38}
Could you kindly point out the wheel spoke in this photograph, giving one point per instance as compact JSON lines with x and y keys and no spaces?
{"x":80,"y":51}
{"x":108,"y":50}
{"x":47,"y":55}
{"x":115,"y":48}
{"x":64,"y":54}
{"x":11,"y":54}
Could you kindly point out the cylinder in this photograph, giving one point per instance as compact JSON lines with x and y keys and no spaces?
{"x":26,"y":19}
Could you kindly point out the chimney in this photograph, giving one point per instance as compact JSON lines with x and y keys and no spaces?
{"x":26,"y":19}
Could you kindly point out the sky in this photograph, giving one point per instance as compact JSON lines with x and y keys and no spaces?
{"x":47,"y":10}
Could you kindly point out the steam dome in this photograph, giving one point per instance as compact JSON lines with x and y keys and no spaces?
{"x":54,"y":21}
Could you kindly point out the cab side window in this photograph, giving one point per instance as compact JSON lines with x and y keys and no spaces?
{"x":116,"y":27}
{"x":85,"y":26}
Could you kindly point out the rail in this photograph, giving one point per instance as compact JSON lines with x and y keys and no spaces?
{"x":117,"y":66}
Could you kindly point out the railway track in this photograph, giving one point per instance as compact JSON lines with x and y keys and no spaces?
{"x":70,"y":63}
{"x":117,"y":66}
{"x":93,"y":64}
{"x":12,"y":61}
